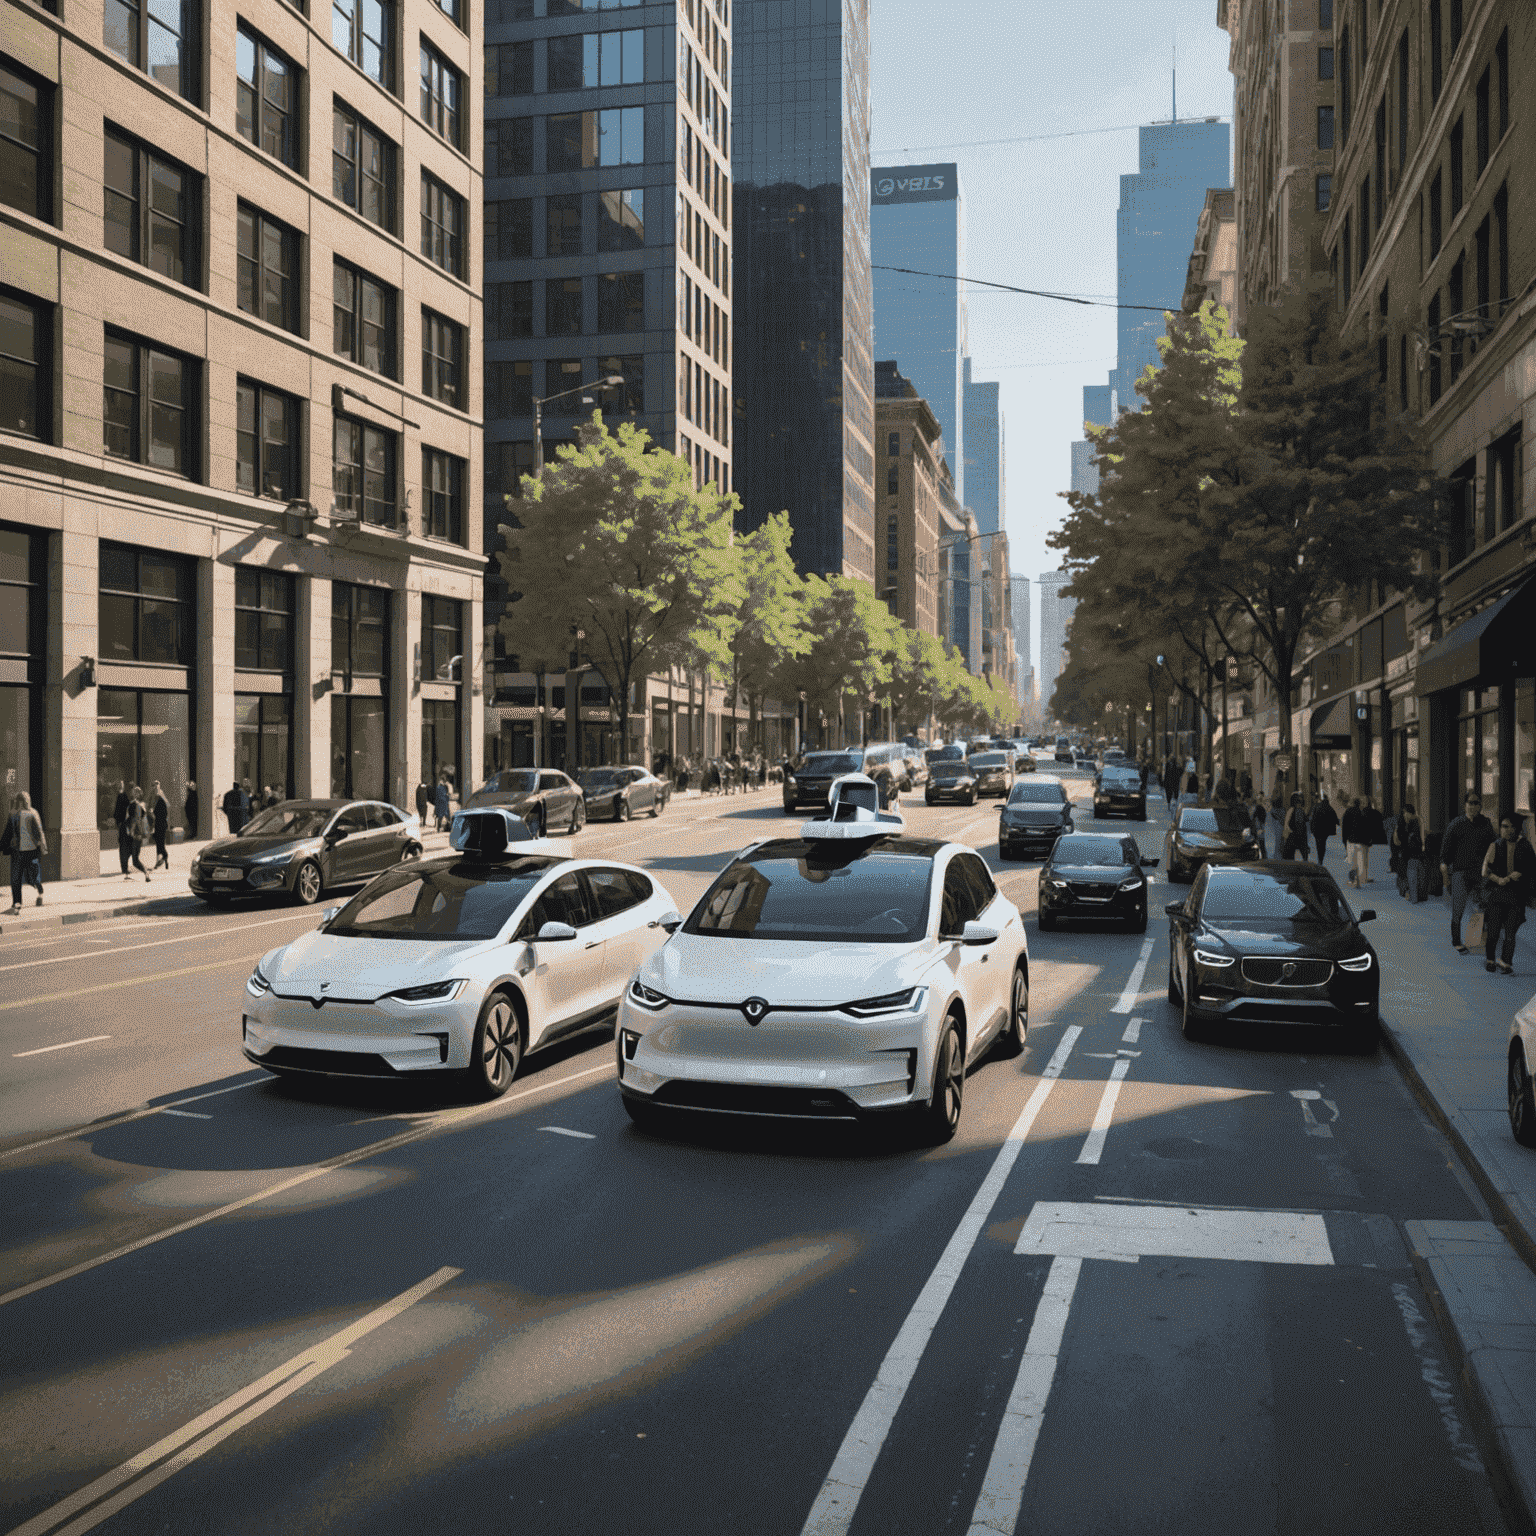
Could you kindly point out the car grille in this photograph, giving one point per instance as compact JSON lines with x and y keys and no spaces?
{"x":1089,"y":891}
{"x":1266,"y":972}
{"x":342,"y":1063}
{"x":732,"y":1099}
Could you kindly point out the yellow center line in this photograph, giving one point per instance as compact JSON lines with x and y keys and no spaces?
{"x":123,"y":981}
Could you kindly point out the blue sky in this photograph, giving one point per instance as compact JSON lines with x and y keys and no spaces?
{"x":1040,"y":214}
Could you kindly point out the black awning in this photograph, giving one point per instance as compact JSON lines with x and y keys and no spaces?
{"x":1494,"y":646}
{"x":1331,"y":722}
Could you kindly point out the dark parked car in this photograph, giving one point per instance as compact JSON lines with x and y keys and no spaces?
{"x":1094,"y":875}
{"x":950,"y":752}
{"x":994,"y":771}
{"x":1272,"y":943}
{"x":1207,"y":834}
{"x":1035,"y":814}
{"x":1064,"y":752}
{"x":544,"y":797}
{"x":808,"y":783}
{"x":1117,"y":791}
{"x":301,"y":848}
{"x":950,"y":778}
{"x":620,"y":792}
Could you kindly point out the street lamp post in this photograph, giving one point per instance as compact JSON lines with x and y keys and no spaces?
{"x":610,"y":381}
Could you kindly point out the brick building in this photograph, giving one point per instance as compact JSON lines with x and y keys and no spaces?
{"x":909,"y":475}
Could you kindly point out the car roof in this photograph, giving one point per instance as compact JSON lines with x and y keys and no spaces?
{"x":892,"y":842}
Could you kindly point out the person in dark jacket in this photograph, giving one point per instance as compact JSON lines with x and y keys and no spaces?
{"x":1294,"y":831}
{"x":1375,"y":830}
{"x":237,"y":806}
{"x":1462,"y":850}
{"x":1509,"y":876}
{"x":160,"y":817}
{"x":1354,"y":839}
{"x":423,"y":801}
{"x":138,"y":827}
{"x":120,"y":815}
{"x":1324,"y":822}
{"x":441,"y":803}
{"x":191,"y":809}
{"x":1408,"y":849}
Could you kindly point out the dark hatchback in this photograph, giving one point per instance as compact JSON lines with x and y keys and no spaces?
{"x":1272,"y":943}
{"x":301,"y":848}
{"x":1035,"y":814}
{"x":1118,"y":792}
{"x":1096,"y":876}
{"x":1207,"y":834}
{"x":951,"y":779}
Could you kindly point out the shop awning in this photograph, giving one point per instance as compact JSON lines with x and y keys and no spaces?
{"x":1330,"y":722}
{"x":1493,"y":646}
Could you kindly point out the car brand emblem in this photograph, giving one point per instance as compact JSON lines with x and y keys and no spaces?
{"x":754,"y":1008}
{"x":1287,"y":970}
{"x":319,"y":1002}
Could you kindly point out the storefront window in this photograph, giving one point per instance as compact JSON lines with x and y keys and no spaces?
{"x":439,"y":739}
{"x":1525,"y":747}
{"x":263,"y":733}
{"x":22,"y":571}
{"x":359,"y":737}
{"x":141,"y":737}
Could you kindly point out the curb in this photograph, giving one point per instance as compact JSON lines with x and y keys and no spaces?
{"x":187,"y":904}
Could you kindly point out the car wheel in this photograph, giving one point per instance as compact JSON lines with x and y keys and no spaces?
{"x":970,"y":799}
{"x":1047,"y":923}
{"x":578,"y":817}
{"x":496,"y":1052}
{"x":939,"y":1121}
{"x":1174,"y":995}
{"x":1189,"y":1025}
{"x":1016,"y":1030}
{"x":927,"y":799}
{"x":1138,"y":924}
{"x":789,"y":808}
{"x":621,"y":811}
{"x":655,"y":808}
{"x":1522,"y":1099}
{"x":307,"y":884}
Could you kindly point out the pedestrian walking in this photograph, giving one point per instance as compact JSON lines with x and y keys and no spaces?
{"x":119,"y":816}
{"x":271,"y":798}
{"x":1509,"y":876}
{"x":1257,"y":817}
{"x":1462,"y":850}
{"x":1375,"y":836}
{"x":1294,"y":830}
{"x":1408,"y":844}
{"x":160,"y":818}
{"x":423,"y":800}
{"x":1276,"y":822}
{"x":1354,"y":839}
{"x":139,"y":827}
{"x":237,"y":806}
{"x":1324,"y":822}
{"x":191,"y":808}
{"x":441,"y":802}
{"x":23,"y":839}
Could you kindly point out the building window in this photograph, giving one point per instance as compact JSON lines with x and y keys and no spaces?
{"x":621,"y":220}
{"x":263,"y":737}
{"x":145,"y":609}
{"x":509,"y":229}
{"x":442,"y":225}
{"x":156,"y":38}
{"x":442,"y":359}
{"x":613,"y":58}
{"x":1501,"y":60}
{"x":453,"y":10}
{"x":1456,"y":9}
{"x":363,"y":30}
{"x":146,"y":409}
{"x":362,"y":167}
{"x":363,"y":471}
{"x":1436,"y":44}
{"x":509,"y":387}
{"x":266,"y":441}
{"x":1435,"y":345}
{"x":514,"y":147}
{"x":1346,"y":98}
{"x":26,"y":118}
{"x":1456,"y":298}
{"x":439,"y":738}
{"x":621,"y":301}
{"x":442,"y":639}
{"x":364,"y":319}
{"x":632,"y":370}
{"x":1324,"y":193}
{"x":1483,"y":119}
{"x":1346,"y":250}
{"x":1381,"y":158}
{"x":1402,"y":100}
{"x":562,"y":226}
{"x":1325,"y":15}
{"x":442,"y":88}
{"x":267,"y":262}
{"x":503,"y":470}
{"x":1458,"y":166}
{"x":1484,"y":274}
{"x":264,"y":609}
{"x":1325,"y":63}
{"x":1365,"y":221}
{"x":1434,"y":214}
{"x":893,"y":444}
{"x":1504,"y":481}
{"x":621,"y":136}
{"x":563,"y":63}
{"x":562,"y":307}
{"x":25,"y":385}
{"x":1325,"y":127}
{"x":442,"y":489}
{"x":509,"y":69}
{"x":266,"y":98}
{"x":570,"y":141}
{"x":512,"y":304}
{"x":149,"y":209}
{"x":359,"y":630}
{"x":562,"y":374}
{"x":892,"y":545}
{"x":893,"y":480}
{"x":1501,"y":243}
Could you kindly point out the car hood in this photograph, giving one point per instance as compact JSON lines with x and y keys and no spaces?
{"x":241,"y":850}
{"x":1287,"y":939}
{"x":1036,"y":815}
{"x":707,"y":969}
{"x":362,"y":969}
{"x":1213,"y":839}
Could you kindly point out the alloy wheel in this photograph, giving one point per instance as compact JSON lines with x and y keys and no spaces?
{"x":1522,"y":1100}
{"x":307,"y":885}
{"x":498,"y":1048}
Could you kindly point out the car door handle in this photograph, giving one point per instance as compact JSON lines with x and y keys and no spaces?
{"x":593,"y":943}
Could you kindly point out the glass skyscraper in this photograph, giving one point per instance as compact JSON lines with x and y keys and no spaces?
{"x":803,"y":371}
{"x":985,"y":459}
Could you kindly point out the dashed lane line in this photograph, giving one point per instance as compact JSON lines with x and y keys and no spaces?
{"x":63,"y":1045}
{"x":1093,"y":1147}
{"x":122,"y":981}
{"x":143,"y":1113}
{"x":1127,"y":999}
{"x":180,"y":938}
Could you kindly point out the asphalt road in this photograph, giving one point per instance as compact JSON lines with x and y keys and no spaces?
{"x":1150,"y":1285}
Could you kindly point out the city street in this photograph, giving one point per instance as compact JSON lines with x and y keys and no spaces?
{"x":1150,"y":1285}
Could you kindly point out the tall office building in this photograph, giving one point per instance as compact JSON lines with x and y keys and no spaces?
{"x":985,"y":458}
{"x":917,"y":221}
{"x":1055,"y":623}
{"x":239,"y":405}
{"x":1023,"y":650}
{"x":804,"y":360}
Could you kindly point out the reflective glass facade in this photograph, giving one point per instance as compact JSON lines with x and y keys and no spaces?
{"x":804,"y":369}
{"x":985,"y":462}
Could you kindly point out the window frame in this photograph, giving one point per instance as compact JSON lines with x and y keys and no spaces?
{"x":615,"y":295}
{"x":433,"y":628}
{"x":357,"y":352}
{"x":144,"y":162}
{"x":290,"y":483}
{"x":352,"y":622}
{"x":184,"y":601}
{"x":355,"y":47}
{"x":143,"y":17}
{"x":356,"y":501}
{"x":141,"y":435}
{"x":288,"y":242}
{"x":438,"y":361}
{"x":255,"y":118}
{"x":40,"y":363}
{"x":362,"y":130}
{"x":266,"y":581}
{"x":42,"y":153}
{"x":442,"y":504}
{"x":500,"y":230}
{"x":436,"y":73}
{"x":444,"y":245}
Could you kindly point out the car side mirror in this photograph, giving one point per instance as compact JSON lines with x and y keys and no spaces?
{"x":1174,"y":909}
{"x":1368,"y":916}
{"x":1149,"y":863}
{"x":975,"y":933}
{"x":671,"y":920}
{"x":553,"y":931}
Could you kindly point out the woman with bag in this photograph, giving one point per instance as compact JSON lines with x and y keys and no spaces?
{"x":1509,"y":874}
{"x":23,"y":839}
{"x":137,"y":828}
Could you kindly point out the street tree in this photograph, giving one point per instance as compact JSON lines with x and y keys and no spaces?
{"x":850,"y":642}
{"x":771,"y":634}
{"x":614,"y":542}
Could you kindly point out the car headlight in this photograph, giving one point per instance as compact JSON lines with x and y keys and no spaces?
{"x":1358,"y":963}
{"x":911,"y":1000}
{"x":646,"y":997}
{"x":274,"y":858}
{"x":1211,"y":958}
{"x":429,"y":992}
{"x":1130,"y":883}
{"x":257,"y":984}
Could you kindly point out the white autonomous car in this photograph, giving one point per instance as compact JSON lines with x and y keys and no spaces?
{"x":849,"y":972}
{"x":461,"y":964}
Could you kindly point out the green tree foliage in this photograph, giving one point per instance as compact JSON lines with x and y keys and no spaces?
{"x":851,"y":640}
{"x":772,"y":632}
{"x":616,"y":542}
{"x":916,"y":667}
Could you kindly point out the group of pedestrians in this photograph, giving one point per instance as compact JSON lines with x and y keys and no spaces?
{"x":1496,"y":871}
{"x":138,"y":821}
{"x":435,"y":800}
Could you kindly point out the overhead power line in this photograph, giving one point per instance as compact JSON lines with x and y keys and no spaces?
{"x":1034,"y":293}
{"x":1036,"y":138}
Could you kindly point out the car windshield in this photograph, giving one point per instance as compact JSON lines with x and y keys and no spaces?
{"x":989,"y":760}
{"x":454,"y":902}
{"x":1084,"y":850}
{"x":1036,"y":792}
{"x":512,"y":781}
{"x":819,"y":893}
{"x":1252,"y":895}
{"x":834,"y":762}
{"x":289,"y":821}
{"x":949,"y":768}
{"x":1213,"y":818}
{"x":597,"y":778}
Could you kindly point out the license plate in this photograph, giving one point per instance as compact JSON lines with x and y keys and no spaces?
{"x":226,"y":873}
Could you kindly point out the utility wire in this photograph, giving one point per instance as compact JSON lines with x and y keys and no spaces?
{"x":1036,"y":138}
{"x":1037,"y":293}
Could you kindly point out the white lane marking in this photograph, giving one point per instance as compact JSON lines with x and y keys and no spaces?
{"x":188,"y":1114}
{"x":1434,"y":1376}
{"x":1093,"y":1147}
{"x":362,"y":1154}
{"x":43,"y":1050}
{"x":180,"y":938}
{"x":133,"y":1114}
{"x":849,"y":1475}
{"x":1002,"y":1490}
{"x":1132,"y":991}
{"x":194,"y":1439}
{"x":1312,"y":1126}
{"x":560,"y":1130}
{"x":1133,"y":1031}
{"x":1093,"y":1231}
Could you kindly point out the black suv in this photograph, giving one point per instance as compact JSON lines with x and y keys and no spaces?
{"x":809,"y":781}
